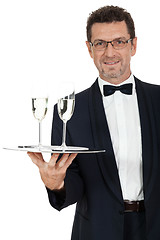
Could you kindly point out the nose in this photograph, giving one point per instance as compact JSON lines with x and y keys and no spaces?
{"x":109,"y":51}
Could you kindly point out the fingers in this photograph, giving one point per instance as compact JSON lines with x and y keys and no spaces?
{"x":66,"y":160}
{"x":53,"y":159}
{"x":70,"y":159}
{"x":36,"y":158}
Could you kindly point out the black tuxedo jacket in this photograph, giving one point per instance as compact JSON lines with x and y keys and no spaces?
{"x":92,"y":180}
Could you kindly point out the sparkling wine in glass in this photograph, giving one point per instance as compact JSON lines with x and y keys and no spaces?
{"x":66,"y":104}
{"x":39,"y":108}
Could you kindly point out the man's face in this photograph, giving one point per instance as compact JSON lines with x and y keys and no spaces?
{"x":113,"y":65}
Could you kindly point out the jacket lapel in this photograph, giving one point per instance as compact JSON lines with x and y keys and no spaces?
{"x":149,"y":140}
{"x":102,"y":140}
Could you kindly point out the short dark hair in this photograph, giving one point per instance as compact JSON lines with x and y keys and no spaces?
{"x":109,"y":14}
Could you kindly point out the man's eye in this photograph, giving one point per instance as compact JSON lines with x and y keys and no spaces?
{"x":119,"y":42}
{"x":99,"y":43}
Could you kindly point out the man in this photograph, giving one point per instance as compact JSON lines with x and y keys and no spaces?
{"x":117,"y":192}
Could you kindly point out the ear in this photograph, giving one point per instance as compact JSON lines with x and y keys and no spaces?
{"x":134,"y":47}
{"x":89,"y":49}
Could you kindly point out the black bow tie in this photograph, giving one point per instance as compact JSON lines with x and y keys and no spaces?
{"x":125,"y":88}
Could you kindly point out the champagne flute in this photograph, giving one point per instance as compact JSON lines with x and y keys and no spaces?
{"x":39,"y":107}
{"x":66,"y":104}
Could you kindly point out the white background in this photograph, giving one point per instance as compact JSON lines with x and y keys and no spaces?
{"x":44,"y":40}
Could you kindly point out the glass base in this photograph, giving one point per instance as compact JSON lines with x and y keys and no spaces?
{"x":65,"y":148}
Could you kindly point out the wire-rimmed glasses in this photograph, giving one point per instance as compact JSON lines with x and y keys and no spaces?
{"x":101,"y":45}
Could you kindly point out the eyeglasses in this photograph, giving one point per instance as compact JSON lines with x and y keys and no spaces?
{"x":117,"y":44}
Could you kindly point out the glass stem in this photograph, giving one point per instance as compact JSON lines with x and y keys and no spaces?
{"x":39,"y":145}
{"x":64,"y":134}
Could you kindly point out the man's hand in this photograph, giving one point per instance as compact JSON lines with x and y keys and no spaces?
{"x":52,"y":173}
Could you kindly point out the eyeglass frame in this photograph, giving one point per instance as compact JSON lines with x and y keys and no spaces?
{"x":111,"y":42}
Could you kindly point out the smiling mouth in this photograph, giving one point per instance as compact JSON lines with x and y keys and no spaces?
{"x":111,"y":63}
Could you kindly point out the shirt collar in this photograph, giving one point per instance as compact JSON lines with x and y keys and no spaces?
{"x":129,"y":80}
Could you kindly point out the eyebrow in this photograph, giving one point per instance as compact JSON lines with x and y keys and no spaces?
{"x":115,"y":39}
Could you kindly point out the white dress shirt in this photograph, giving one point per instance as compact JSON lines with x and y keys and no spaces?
{"x":124,"y":125}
